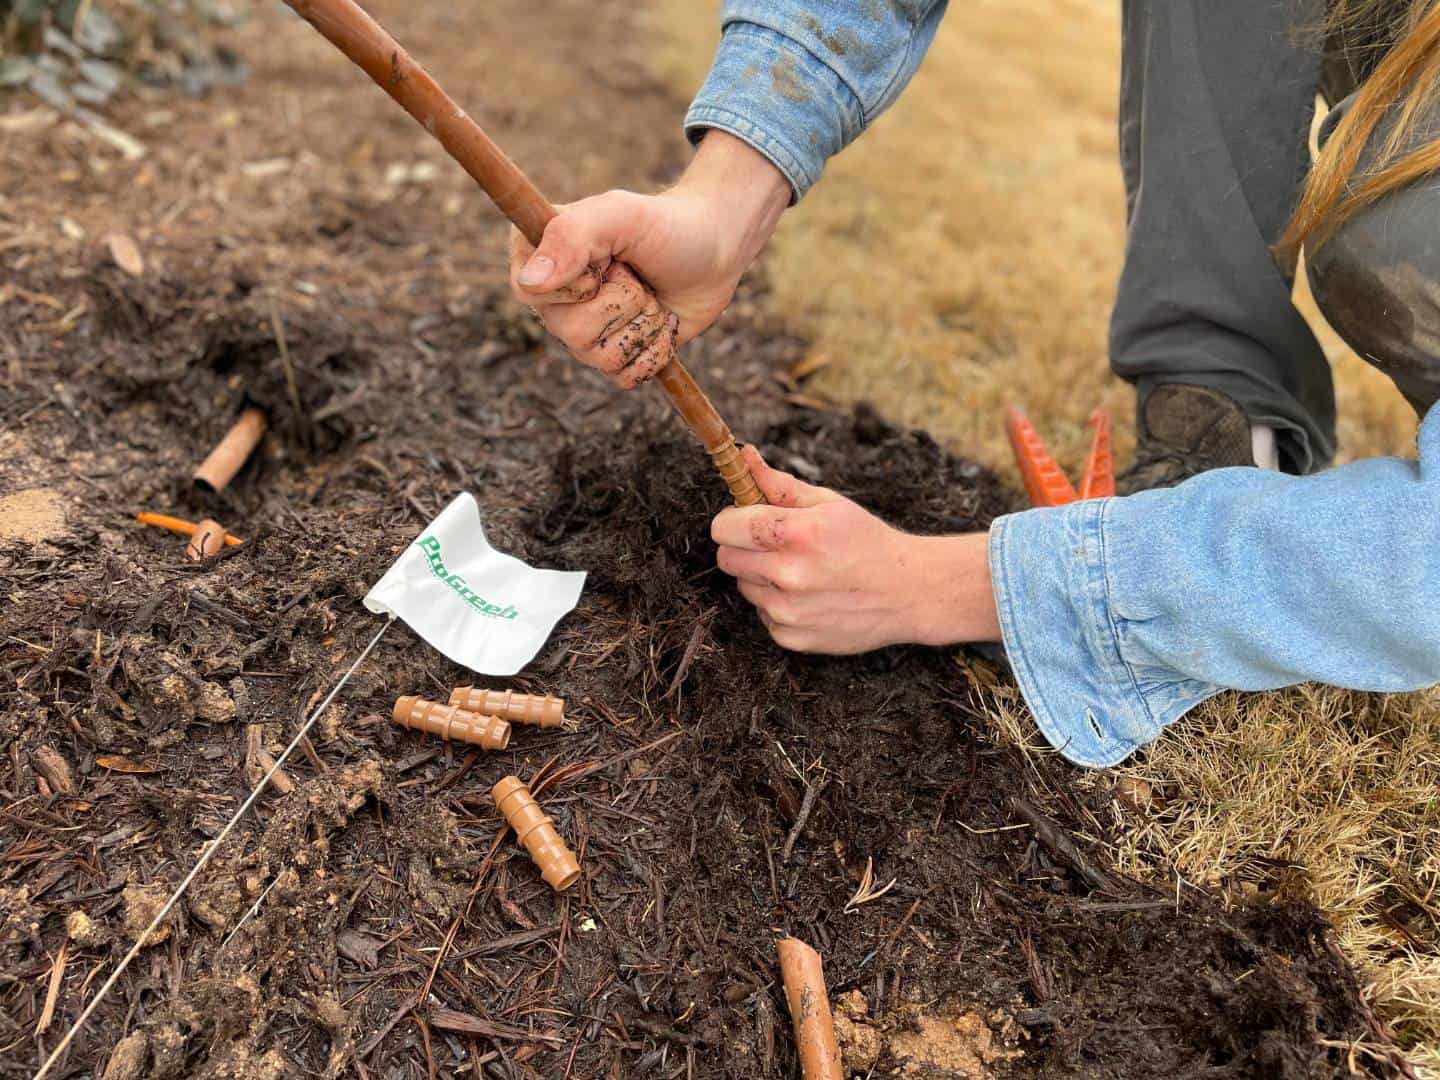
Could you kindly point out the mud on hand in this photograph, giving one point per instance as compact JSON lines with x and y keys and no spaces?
{"x":606,"y":317}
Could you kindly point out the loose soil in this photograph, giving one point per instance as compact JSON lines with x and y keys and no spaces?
{"x":375,"y":920}
{"x":31,"y":516}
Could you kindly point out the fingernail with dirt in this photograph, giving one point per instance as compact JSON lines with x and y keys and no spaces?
{"x":537,"y":832}
{"x":535,"y":272}
{"x":448,"y":722}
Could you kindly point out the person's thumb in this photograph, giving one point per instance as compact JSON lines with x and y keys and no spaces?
{"x":780,"y":488}
{"x":589,"y":232}
{"x":562,"y":256}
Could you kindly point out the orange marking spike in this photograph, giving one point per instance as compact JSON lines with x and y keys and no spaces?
{"x":179,"y":525}
{"x":1099,"y":479}
{"x":1044,"y":482}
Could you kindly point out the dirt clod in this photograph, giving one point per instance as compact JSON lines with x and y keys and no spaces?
{"x":956,"y":1044}
{"x":860,"y":1043}
{"x":127,"y":1060}
{"x":142,"y":904}
{"x":51,"y":764}
{"x":83,"y":930}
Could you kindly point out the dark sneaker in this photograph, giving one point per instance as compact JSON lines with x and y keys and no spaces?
{"x":1184,"y":431}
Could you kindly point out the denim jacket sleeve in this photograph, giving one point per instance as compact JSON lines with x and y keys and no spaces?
{"x":1120,"y":615}
{"x":799,"y":79}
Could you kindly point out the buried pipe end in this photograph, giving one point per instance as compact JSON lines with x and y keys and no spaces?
{"x":231,"y":453}
{"x":803,"y":977}
{"x":208,"y":539}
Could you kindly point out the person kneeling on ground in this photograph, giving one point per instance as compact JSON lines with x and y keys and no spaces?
{"x":1118,"y":614}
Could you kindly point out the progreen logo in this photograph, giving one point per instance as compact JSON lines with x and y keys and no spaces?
{"x":431,"y":546}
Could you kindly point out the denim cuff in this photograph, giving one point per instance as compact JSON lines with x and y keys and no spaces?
{"x":774,"y":94}
{"x":1051,"y":579}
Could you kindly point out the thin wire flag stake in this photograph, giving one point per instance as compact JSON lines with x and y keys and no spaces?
{"x":213,"y":847}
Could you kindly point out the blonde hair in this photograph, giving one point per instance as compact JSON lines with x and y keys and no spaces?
{"x":1402,"y":88}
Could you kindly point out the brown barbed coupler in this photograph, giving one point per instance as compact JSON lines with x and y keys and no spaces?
{"x":536,"y":831}
{"x":450,"y":722}
{"x":534,"y":710}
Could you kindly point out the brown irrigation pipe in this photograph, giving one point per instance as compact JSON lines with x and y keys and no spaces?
{"x":536,"y":831}
{"x":231,"y":453}
{"x":351,"y":30}
{"x":803,"y":976}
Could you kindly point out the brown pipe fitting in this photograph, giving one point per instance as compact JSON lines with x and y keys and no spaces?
{"x":451,"y":723}
{"x":714,"y":434}
{"x":531,"y":709}
{"x":207,"y":539}
{"x":804,"y":979}
{"x":736,"y":474}
{"x":537,"y":832}
{"x":233,"y":451}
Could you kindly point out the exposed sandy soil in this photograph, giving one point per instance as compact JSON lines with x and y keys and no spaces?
{"x":31,"y":516}
{"x":398,"y":932}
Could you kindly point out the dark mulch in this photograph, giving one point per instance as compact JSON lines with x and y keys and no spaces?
{"x":397,"y":933}
{"x":682,"y":791}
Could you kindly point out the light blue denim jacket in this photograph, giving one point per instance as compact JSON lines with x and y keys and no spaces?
{"x":1119,"y":615}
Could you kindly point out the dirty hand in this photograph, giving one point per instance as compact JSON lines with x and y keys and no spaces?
{"x":827,"y":576}
{"x":690,"y":245}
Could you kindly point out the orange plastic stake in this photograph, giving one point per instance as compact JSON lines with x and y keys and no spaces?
{"x":179,"y":525}
{"x":804,"y":978}
{"x":537,"y":832}
{"x":1099,"y":479}
{"x":532,"y":709}
{"x":1044,"y":482}
{"x":451,"y":723}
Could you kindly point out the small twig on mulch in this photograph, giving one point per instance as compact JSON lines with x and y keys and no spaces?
{"x":283,"y":347}
{"x":1058,"y":844}
{"x":666,"y":1032}
{"x":806,"y":805}
{"x":466,"y":1024}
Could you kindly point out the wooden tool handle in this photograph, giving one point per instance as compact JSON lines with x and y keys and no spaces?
{"x":351,"y":30}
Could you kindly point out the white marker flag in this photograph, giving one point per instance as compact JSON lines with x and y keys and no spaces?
{"x":486,"y":610}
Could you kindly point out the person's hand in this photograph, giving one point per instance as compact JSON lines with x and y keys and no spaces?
{"x":827,"y":576}
{"x":689,"y":244}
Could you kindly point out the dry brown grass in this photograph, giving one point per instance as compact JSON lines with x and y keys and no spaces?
{"x":962,"y":256}
{"x":945,"y":268}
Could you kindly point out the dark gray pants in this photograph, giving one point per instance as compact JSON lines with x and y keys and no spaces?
{"x":1216,"y":101}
